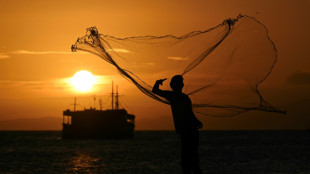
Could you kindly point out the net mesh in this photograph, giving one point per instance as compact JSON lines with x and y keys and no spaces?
{"x":222,"y":67}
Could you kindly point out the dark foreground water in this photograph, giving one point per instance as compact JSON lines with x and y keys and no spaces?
{"x":151,"y":152}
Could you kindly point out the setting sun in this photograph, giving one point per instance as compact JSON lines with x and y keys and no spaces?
{"x":83,"y":80}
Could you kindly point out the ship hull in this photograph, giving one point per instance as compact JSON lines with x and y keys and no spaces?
{"x":94,"y":124}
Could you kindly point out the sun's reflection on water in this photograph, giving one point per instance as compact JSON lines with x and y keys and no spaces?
{"x":85,"y":163}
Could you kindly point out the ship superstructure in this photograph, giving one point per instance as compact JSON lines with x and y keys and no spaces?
{"x":98,"y":124}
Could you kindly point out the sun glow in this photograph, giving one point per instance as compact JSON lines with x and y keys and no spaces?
{"x":83,"y":81}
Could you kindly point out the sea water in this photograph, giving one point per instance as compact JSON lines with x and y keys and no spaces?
{"x":240,"y":152}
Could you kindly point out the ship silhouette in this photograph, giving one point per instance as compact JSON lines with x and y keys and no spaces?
{"x":114,"y":123}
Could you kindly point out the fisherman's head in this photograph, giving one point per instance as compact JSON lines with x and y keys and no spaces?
{"x":176,"y":83}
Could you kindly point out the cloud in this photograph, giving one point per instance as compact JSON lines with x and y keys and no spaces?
{"x":45,"y":84}
{"x":4,"y":56}
{"x":44,"y":52}
{"x":178,"y":58}
{"x":301,"y":78}
{"x":27,"y":52}
{"x":59,"y":83}
{"x":119,"y":50}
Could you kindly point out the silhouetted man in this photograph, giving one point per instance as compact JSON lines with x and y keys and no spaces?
{"x":185,"y":122}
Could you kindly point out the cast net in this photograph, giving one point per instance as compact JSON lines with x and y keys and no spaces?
{"x":222,"y":67}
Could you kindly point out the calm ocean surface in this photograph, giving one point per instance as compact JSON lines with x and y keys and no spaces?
{"x":242,"y":152}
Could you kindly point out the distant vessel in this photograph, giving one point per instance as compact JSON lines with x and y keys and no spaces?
{"x":90,"y":123}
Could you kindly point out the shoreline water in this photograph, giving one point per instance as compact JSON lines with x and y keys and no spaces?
{"x":155,"y":152}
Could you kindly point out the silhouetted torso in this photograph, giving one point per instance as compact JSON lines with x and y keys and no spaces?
{"x":181,"y":106}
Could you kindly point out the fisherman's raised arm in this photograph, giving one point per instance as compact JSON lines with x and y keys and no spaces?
{"x":162,"y":93}
{"x":156,"y":89}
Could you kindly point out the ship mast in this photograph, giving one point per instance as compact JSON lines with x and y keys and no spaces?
{"x":95,"y":102}
{"x":74,"y":104}
{"x":100,"y":103}
{"x":116,"y":98}
{"x":115,"y":102}
{"x":112,"y":96}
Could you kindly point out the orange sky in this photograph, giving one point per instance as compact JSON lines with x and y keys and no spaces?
{"x":36,"y":62}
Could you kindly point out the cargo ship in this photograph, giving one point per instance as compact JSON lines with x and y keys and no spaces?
{"x":114,"y":123}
